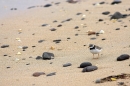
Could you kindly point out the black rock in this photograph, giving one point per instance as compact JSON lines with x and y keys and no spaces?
{"x":76,"y":34}
{"x":102,"y":2}
{"x":54,"y":21}
{"x":116,"y":2}
{"x":106,"y":13}
{"x":78,"y":13}
{"x":7,"y":67}
{"x":31,"y":7}
{"x":123,"y":57}
{"x":100,"y":20}
{"x":59,"y":25}
{"x":24,"y":47}
{"x":117,"y":15}
{"x":51,"y":74}
{"x":33,"y":46}
{"x":4,"y":46}
{"x":89,"y":68}
{"x":5,"y":55}
{"x":68,"y":38}
{"x":40,"y":41}
{"x":47,"y":56}
{"x":125,"y":26}
{"x":44,"y":25}
{"x":69,"y":19}
{"x":85,"y":64}
{"x":67,"y":64}
{"x":57,"y":40}
{"x":103,"y":39}
{"x":47,"y":5}
{"x":53,"y":29}
{"x":117,"y":28}
{"x":38,"y":57}
{"x":76,"y":27}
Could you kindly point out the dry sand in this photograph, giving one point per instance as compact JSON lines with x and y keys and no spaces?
{"x":117,"y":42}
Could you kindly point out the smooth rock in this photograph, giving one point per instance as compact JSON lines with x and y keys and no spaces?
{"x":51,"y":74}
{"x":117,"y":29}
{"x":116,"y":2}
{"x":47,"y":5}
{"x":98,"y":81}
{"x":38,"y":57}
{"x":36,"y":74}
{"x":85,"y":64}
{"x":78,"y":13}
{"x":117,"y":15}
{"x":53,"y":29}
{"x":100,"y":20}
{"x":69,"y":19}
{"x":102,"y":2}
{"x":47,"y":56}
{"x":106,"y":13}
{"x":67,"y":64}
{"x":40,"y":41}
{"x":76,"y":27}
{"x":24,"y":47}
{"x":59,"y":25}
{"x":44,"y":25}
{"x":4,"y":46}
{"x":89,"y":68}
{"x":123,"y":57}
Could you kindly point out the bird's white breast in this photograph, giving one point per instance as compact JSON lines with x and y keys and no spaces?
{"x":95,"y":51}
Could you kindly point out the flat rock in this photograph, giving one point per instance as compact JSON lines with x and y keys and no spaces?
{"x":38,"y":57}
{"x":117,"y":15}
{"x":47,"y":56}
{"x":4,"y":46}
{"x":51,"y":74}
{"x":100,"y":20}
{"x":43,"y":25}
{"x":116,"y":2}
{"x":85,"y":64}
{"x":89,"y":68}
{"x":123,"y":57}
{"x":67,"y":64}
{"x":24,"y":47}
{"x":36,"y":74}
{"x":106,"y":13}
{"x":40,"y":41}
{"x":47,"y":5}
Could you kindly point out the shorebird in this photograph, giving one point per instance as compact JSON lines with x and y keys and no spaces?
{"x":94,"y":49}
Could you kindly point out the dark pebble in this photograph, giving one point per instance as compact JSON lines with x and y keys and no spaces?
{"x":47,"y":56}
{"x":117,"y":28}
{"x":68,"y":38}
{"x":76,"y":34}
{"x":82,"y":18}
{"x":78,"y":13}
{"x":106,"y":13}
{"x":100,"y":20}
{"x":85,"y":64}
{"x":86,"y":10}
{"x":7,"y":67}
{"x":44,"y":25}
{"x":76,"y":27}
{"x":40,"y":41}
{"x":31,"y":7}
{"x":69,"y":19}
{"x":38,"y":57}
{"x":125,"y":26}
{"x":59,"y":25}
{"x":54,"y":21}
{"x":51,"y":74}
{"x":57,"y":40}
{"x":4,"y":46}
{"x":116,"y":2}
{"x":24,"y":47}
{"x":5,"y":55}
{"x":57,"y":3}
{"x":117,"y":15}
{"x":47,"y":5}
{"x":102,"y":2}
{"x":33,"y":46}
{"x":67,"y":64}
{"x":93,"y":38}
{"x":24,"y":50}
{"x":89,"y":68}
{"x":28,"y":64}
{"x":121,"y":83}
{"x":123,"y":57}
{"x":84,"y":45}
{"x":103,"y":39}
{"x":36,"y":74}
{"x":53,"y":29}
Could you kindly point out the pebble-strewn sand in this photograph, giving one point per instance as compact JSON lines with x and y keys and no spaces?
{"x":72,"y":49}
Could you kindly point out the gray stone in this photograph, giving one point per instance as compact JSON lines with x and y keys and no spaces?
{"x":47,"y":55}
{"x":85,"y":64}
{"x":89,"y":68}
{"x":51,"y":74}
{"x":67,"y":64}
{"x":123,"y":57}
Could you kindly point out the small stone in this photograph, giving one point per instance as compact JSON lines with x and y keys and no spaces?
{"x":69,"y":19}
{"x":103,"y":39}
{"x":98,"y":81}
{"x":117,"y":28}
{"x":57,"y":40}
{"x":85,"y":64}
{"x":78,"y":13}
{"x":24,"y":47}
{"x":7,"y":67}
{"x":67,"y":64}
{"x":44,"y":25}
{"x":54,"y":21}
{"x":53,"y":29}
{"x":18,"y":53}
{"x":106,"y":13}
{"x":47,"y":5}
{"x":68,"y":38}
{"x":47,"y":55}
{"x":36,"y":74}
{"x":28,"y":64}
{"x":4,"y":46}
{"x":5,"y":55}
{"x":59,"y":25}
{"x":101,"y":32}
{"x":52,"y":48}
{"x":121,"y":83}
{"x":100,"y":20}
{"x":102,"y":2}
{"x":76,"y":27}
{"x":89,"y":68}
{"x":38,"y":57}
{"x":33,"y":46}
{"x":117,"y":15}
{"x":116,"y":2}
{"x":51,"y":74}
{"x":125,"y":26}
{"x":123,"y":57}
{"x":40,"y":41}
{"x":76,"y":34}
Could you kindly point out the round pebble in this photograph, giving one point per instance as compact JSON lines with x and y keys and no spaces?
{"x":85,"y":64}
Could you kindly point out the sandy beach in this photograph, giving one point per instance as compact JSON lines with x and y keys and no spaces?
{"x":28,"y":27}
